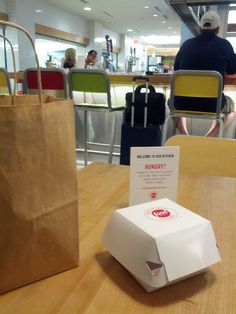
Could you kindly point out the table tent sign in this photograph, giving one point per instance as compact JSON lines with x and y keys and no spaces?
{"x":153,"y":173}
{"x":160,"y":242}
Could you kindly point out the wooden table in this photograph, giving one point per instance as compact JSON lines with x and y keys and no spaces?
{"x":101,"y":285}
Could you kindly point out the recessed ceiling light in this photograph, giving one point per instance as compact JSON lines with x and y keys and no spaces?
{"x":170,"y":27}
{"x":129,"y":30}
{"x":163,"y":22}
{"x":155,"y":15}
{"x":38,"y":11}
{"x":146,"y":7}
{"x":87,"y":8}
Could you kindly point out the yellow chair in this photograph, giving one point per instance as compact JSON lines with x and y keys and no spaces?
{"x":5,"y":86}
{"x":199,"y":90}
{"x":206,"y":155}
{"x":93,"y":87}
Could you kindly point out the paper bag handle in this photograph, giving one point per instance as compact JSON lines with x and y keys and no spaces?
{"x":6,"y":23}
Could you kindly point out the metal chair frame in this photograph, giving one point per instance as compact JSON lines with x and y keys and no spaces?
{"x":93,"y":81}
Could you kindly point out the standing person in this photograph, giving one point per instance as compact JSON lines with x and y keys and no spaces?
{"x":208,"y":52}
{"x":69,"y":61}
{"x":91,"y":59}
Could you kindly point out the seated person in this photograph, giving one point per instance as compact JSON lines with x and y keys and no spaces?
{"x":208,"y":52}
{"x":91,"y":59}
{"x":69,"y":61}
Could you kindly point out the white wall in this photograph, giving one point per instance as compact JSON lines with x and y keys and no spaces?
{"x":23,"y":13}
{"x":3,"y":6}
{"x":56,"y":18}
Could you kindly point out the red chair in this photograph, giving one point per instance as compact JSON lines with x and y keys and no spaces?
{"x":53,"y":82}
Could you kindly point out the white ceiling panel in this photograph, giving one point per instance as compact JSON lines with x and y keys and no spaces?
{"x":120,"y":15}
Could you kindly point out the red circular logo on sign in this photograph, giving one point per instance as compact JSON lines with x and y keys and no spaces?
{"x":153,"y":195}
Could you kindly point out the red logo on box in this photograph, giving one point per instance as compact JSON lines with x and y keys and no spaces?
{"x":161,"y":214}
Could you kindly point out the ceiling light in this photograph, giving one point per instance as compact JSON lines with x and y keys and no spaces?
{"x":162,"y":40}
{"x":99,"y":40}
{"x":170,"y":27}
{"x":155,"y":15}
{"x":146,"y":7}
{"x":87,"y":8}
{"x":38,"y":11}
{"x":163,"y":22}
{"x":129,"y":30}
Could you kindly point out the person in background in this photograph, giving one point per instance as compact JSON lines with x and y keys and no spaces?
{"x":170,"y":68}
{"x":208,"y":52}
{"x":91,"y":59}
{"x":69,"y":61}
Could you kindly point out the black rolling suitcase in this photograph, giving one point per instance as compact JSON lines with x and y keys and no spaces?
{"x":135,"y":134}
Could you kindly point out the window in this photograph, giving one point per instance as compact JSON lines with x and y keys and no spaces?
{"x":231,"y":34}
{"x":2,"y":50}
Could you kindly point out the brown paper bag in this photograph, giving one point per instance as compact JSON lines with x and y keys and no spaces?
{"x":38,"y":190}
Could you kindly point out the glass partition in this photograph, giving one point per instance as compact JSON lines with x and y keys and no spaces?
{"x":2,"y":50}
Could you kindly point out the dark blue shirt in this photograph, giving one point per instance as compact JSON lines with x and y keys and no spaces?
{"x":206,"y":52}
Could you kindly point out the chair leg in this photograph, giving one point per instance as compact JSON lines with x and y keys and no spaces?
{"x":165,"y":129}
{"x":221,"y":127}
{"x":113,"y":134}
{"x":85,"y":138}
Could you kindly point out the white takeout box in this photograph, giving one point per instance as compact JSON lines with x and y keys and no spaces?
{"x":160,"y":242}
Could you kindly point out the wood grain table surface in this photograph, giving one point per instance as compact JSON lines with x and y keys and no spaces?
{"x":101,"y":285}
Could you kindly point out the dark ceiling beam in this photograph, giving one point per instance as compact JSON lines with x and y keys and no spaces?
{"x":231,"y":28}
{"x":184,"y":10}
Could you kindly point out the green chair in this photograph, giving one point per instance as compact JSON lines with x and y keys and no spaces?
{"x":5,"y":86}
{"x":93,"y":87}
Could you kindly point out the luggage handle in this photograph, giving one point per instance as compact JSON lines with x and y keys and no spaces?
{"x":10,"y":24}
{"x":146,"y":100}
{"x":145,"y":107}
{"x":150,"y":88}
{"x":146,"y":94}
{"x":143,"y":78}
{"x":145,"y":117}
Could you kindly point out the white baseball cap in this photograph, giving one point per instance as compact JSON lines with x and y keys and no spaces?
{"x":210,"y":20}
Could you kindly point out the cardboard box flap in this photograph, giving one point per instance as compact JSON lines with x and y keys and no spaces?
{"x":188,"y":251}
{"x":134,"y":249}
